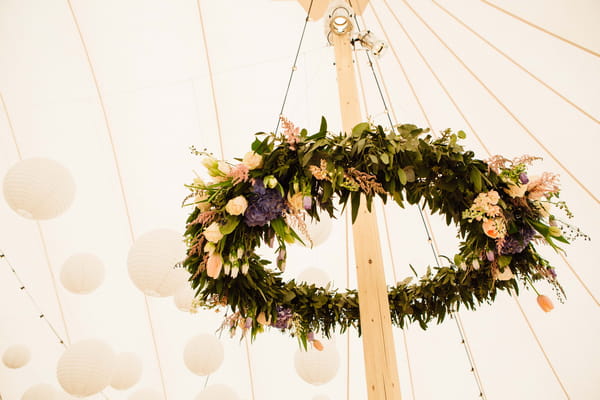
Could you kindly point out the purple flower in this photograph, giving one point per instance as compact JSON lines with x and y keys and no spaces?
{"x":307,"y":202}
{"x":490,"y":255}
{"x":514,"y":244}
{"x":551,"y":271}
{"x":258,"y":186}
{"x":523,"y":178}
{"x":284,"y":318}
{"x":263,"y":206}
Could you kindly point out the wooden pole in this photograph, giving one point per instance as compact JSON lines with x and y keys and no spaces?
{"x":378,"y":340}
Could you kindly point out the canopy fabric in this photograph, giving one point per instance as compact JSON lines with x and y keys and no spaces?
{"x":117,"y":92}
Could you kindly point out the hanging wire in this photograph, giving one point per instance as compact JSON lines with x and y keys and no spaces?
{"x":455,"y":315}
{"x":120,"y":179}
{"x":515,"y":63}
{"x":294,"y":67}
{"x":211,"y":80}
{"x":539,"y":28}
{"x":501,"y":103}
{"x":39,"y":311}
{"x":38,"y":225}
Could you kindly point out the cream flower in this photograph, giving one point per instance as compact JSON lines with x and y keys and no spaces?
{"x":505,"y":275}
{"x":214,"y":265}
{"x":237,"y":205}
{"x":516,"y":190}
{"x":213,"y":233}
{"x":209,"y":162}
{"x":224,"y":167}
{"x":252,"y":160}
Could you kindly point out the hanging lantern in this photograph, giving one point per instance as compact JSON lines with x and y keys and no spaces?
{"x":145,"y":394}
{"x":39,"y":188}
{"x":184,"y":297}
{"x":217,"y":392}
{"x":317,"y":367}
{"x":60,"y":395}
{"x":319,"y":230}
{"x":16,"y":356}
{"x":314,"y":276}
{"x":321,"y":397}
{"x":128,"y":371}
{"x":82,"y":273}
{"x":86,"y":367}
{"x":41,"y":391}
{"x":151,"y":263}
{"x":203,"y":354}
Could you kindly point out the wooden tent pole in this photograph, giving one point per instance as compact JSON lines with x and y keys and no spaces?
{"x":378,"y":340}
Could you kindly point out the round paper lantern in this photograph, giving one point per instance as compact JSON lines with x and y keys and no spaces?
{"x":82,"y":273}
{"x":321,"y":397}
{"x":127,"y":372}
{"x":41,"y":391}
{"x":86,"y":367}
{"x":203,"y":354}
{"x":151,"y":262}
{"x":39,"y":188}
{"x":317,"y":367}
{"x":184,"y":297}
{"x":319,"y":230}
{"x":217,"y":392}
{"x":16,"y":356}
{"x":146,"y":394}
{"x":314,"y":276}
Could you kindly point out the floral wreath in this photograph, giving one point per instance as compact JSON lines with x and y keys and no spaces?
{"x":266,"y":197}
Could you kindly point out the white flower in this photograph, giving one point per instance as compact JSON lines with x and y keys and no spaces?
{"x":475,"y":264}
{"x":224,"y":167}
{"x":245,"y":267}
{"x":234,"y":272}
{"x":505,"y":275}
{"x":270,"y":181}
{"x":209,"y":162}
{"x":213,"y":233}
{"x":516,"y":190}
{"x":252,"y":160}
{"x":240,"y":252}
{"x":226,"y":268}
{"x":237,"y":205}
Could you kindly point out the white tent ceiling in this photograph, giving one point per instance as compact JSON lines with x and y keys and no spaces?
{"x":153,"y":79}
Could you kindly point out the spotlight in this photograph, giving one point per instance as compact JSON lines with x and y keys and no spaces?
{"x":370,"y":42}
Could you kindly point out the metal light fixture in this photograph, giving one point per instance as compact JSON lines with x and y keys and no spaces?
{"x":368,"y":40}
{"x":340,"y":18}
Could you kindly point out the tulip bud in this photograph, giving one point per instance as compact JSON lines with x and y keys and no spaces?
{"x":317,"y":345}
{"x":545,"y":303}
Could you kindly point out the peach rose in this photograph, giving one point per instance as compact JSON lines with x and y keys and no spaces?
{"x":252,"y":160}
{"x":237,"y":205}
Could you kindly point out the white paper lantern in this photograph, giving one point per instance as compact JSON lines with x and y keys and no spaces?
{"x":151,"y":262}
{"x":146,"y":394}
{"x":314,"y":276}
{"x":317,"y":367}
{"x":16,"y":356}
{"x":127,"y":372}
{"x":319,"y":230}
{"x":82,"y":273}
{"x":321,"y":397}
{"x":41,"y":391}
{"x":39,"y":188}
{"x":184,"y":297}
{"x":86,"y":367}
{"x":203,"y":354}
{"x":217,"y":392}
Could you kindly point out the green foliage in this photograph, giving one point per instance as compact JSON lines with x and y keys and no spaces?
{"x":406,"y":165}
